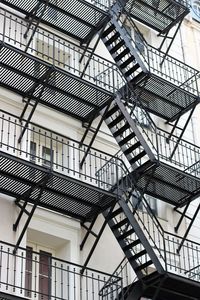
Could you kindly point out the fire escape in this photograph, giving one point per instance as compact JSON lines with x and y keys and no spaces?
{"x":126,"y":94}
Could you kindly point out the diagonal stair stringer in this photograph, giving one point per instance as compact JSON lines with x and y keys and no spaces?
{"x":131,"y":238}
{"x":129,"y":138}
{"x":114,"y":12}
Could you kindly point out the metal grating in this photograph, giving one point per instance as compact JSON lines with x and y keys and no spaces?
{"x":173,"y":287}
{"x":171,"y":185}
{"x":62,"y":193}
{"x":64,"y":91}
{"x":73,"y":17}
{"x":163,"y":98}
{"x":5,"y":296}
{"x":159,"y":15}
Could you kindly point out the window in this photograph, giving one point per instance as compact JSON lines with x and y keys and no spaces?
{"x":38,"y":274}
{"x":196,"y":10}
{"x":56,"y":55}
{"x":46,"y":51}
{"x":47,"y":156}
{"x":128,"y":29}
{"x":150,"y":200}
{"x":44,"y":275}
{"x":33,"y":152}
{"x":142,"y":117}
{"x":139,"y":42}
{"x":153,"y":204}
{"x":28,"y":272}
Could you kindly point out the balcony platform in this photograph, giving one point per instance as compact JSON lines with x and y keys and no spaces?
{"x":163,"y":98}
{"x":84,"y":16}
{"x":64,"y":91}
{"x":170,"y":185}
{"x":78,"y":19}
{"x":61,"y":193}
{"x":173,"y":287}
{"x":159,"y":15}
{"x":7,"y":296}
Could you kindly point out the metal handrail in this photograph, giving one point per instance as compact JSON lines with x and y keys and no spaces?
{"x":65,"y":153}
{"x":164,"y":243}
{"x":60,"y":52}
{"x":65,"y":276}
{"x":169,"y":69}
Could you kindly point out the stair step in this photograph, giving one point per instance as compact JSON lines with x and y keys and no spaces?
{"x":108,"y":30}
{"x":127,"y":62}
{"x":122,"y":54}
{"x":121,"y":130}
{"x":151,"y":278}
{"x":132,"y":70}
{"x":137,"y":157}
{"x":111,"y":111}
{"x":117,"y":46}
{"x":126,"y":139}
{"x":137,"y":78}
{"x":131,"y":245}
{"x":120,"y":224}
{"x":116,"y":121}
{"x":143,"y":266}
{"x":144,"y":166}
{"x":112,"y":39}
{"x":138,"y":255}
{"x":126,"y":234}
{"x":116,"y":213}
{"x":132,"y":148}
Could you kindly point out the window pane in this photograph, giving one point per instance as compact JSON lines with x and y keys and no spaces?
{"x":46,"y":155}
{"x":44,"y":275}
{"x":28,"y":272}
{"x":33,"y":151}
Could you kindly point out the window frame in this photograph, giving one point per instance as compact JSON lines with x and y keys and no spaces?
{"x":196,"y":10}
{"x":35,"y":271}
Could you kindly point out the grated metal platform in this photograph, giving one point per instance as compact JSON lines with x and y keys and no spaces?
{"x":173,"y":287}
{"x":78,"y":19}
{"x":160,"y":15}
{"x":170,"y":185}
{"x":162,"y":98}
{"x":62,"y":193}
{"x":64,"y":91}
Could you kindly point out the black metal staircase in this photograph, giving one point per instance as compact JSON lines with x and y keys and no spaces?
{"x":139,"y":140}
{"x":145,"y":70}
{"x":149,"y":250}
{"x":138,"y":250}
{"x":149,"y":85}
{"x":120,"y":45}
{"x":124,"y":129}
{"x":134,"y":237}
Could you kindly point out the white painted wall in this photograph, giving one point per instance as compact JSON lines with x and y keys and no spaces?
{"x":64,"y":234}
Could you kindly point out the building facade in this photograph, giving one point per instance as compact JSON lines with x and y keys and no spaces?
{"x":99,"y":150}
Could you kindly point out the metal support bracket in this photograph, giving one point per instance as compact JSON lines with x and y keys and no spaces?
{"x":188,"y":229}
{"x":93,"y":50}
{"x":41,"y":185}
{"x":94,"y":245}
{"x":182,"y":132}
{"x":44,"y":81}
{"x":181,"y":217}
{"x":171,"y":42}
{"x":94,"y":136}
{"x":89,"y":231}
{"x":31,"y":18}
